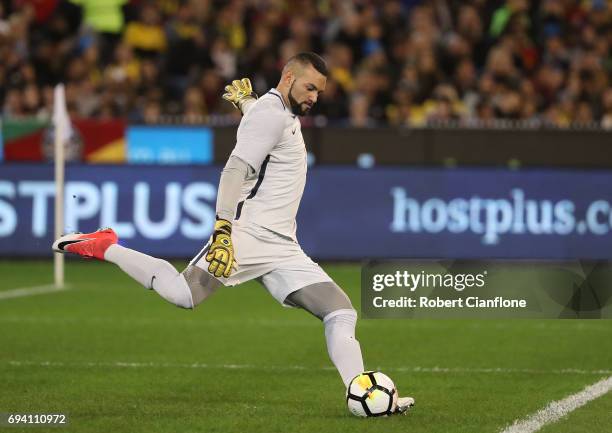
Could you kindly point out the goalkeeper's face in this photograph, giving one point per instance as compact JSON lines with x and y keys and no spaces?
{"x":305,"y":90}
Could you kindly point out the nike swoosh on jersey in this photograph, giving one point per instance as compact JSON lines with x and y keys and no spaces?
{"x":293,"y":132}
{"x":61,"y":245}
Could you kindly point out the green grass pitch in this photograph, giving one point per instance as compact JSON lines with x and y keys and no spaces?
{"x":116,"y":357}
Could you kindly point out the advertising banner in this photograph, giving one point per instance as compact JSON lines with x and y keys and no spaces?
{"x":346,"y":213}
{"x":169,"y":145}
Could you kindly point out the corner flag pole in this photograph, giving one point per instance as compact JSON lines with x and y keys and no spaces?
{"x":61,"y":123}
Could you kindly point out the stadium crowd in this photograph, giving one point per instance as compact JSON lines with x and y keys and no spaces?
{"x":406,"y":62}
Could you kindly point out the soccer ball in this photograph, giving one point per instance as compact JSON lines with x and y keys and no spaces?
{"x":371,"y":393}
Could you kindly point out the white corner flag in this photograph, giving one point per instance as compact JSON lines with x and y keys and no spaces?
{"x":63,"y":130}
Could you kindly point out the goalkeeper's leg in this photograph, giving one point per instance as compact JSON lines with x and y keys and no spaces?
{"x":154,"y":273}
{"x":186,"y":289}
{"x":329,"y":303}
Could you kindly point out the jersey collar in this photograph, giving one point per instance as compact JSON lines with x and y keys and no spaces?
{"x":276,"y":93}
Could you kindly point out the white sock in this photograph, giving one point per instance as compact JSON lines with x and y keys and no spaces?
{"x":153,"y":273}
{"x":343,"y":348}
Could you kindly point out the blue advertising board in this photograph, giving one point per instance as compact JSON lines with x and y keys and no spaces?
{"x":169,"y":145}
{"x":346,"y":212}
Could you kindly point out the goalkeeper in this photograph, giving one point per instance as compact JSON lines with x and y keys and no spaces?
{"x":254,"y":235}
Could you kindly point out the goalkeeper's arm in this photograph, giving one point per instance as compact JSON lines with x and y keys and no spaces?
{"x":234,"y":174}
{"x":221,"y":253}
{"x":256,"y":138}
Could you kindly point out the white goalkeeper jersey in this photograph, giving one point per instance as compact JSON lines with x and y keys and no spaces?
{"x":270,"y":140}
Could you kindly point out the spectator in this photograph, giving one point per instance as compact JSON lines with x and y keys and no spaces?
{"x":146,"y":35}
{"x":13,"y":106}
{"x":105,"y":17}
{"x":125,"y":68}
{"x":186,"y":46}
{"x":194,"y":107}
{"x":151,"y":112}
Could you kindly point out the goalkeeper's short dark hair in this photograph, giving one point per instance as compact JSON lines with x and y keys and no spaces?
{"x":310,"y":58}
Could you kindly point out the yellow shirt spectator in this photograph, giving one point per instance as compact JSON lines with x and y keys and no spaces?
{"x":145,"y":37}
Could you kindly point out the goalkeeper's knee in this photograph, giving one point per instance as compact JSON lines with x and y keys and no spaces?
{"x":320,"y":299}
{"x":171,"y":285}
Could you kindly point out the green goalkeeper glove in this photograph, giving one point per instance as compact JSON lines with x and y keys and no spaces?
{"x":221,"y":252}
{"x":239,"y":92}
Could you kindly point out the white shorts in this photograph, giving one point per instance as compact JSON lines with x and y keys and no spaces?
{"x":276,"y":261}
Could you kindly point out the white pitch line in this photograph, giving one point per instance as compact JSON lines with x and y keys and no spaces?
{"x":558,"y":409}
{"x":198,"y":365}
{"x":309,"y":323}
{"x":156,"y":321}
{"x":498,"y":370}
{"x":30,"y":291}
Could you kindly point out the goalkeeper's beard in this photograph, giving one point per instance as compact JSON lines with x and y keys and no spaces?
{"x":296,"y":107}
